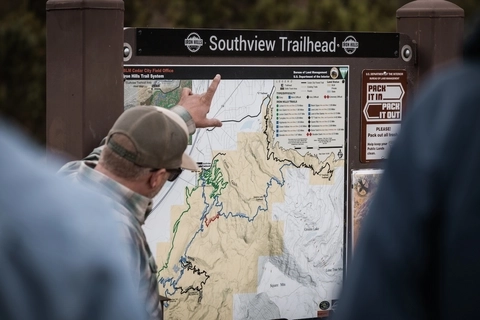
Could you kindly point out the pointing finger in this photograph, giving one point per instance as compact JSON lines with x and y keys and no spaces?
{"x":212,"y":88}
{"x":208,"y":123}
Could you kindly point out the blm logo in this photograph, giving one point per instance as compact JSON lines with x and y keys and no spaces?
{"x":193,"y":42}
{"x":350,"y":45}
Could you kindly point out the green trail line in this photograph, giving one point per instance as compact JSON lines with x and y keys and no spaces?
{"x":188,"y":193}
{"x":212,"y":177}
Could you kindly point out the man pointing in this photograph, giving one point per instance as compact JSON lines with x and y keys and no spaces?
{"x":144,"y":148}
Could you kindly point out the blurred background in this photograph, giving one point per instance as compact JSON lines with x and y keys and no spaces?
{"x":22,"y":35}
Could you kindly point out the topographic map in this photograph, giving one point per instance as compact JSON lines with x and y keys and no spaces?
{"x":259,"y":232}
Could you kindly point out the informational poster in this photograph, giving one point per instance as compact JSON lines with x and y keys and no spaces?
{"x":383,"y":97}
{"x":364,"y":185}
{"x":259,"y":232}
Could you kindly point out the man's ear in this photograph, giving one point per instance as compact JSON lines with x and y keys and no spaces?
{"x":156,"y":177}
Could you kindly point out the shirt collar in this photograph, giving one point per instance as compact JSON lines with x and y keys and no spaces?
{"x":135,"y":203}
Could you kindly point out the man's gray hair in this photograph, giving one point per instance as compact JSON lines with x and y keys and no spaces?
{"x":118,"y":165}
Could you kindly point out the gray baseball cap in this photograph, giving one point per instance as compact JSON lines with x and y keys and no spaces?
{"x":160,"y":137}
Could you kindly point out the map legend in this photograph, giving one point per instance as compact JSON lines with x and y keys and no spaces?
{"x":310,"y":114}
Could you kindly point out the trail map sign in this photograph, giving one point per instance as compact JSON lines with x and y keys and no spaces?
{"x":232,"y":239}
{"x":261,"y":232}
{"x":382,"y":111}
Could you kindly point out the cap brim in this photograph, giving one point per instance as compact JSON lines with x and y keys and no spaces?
{"x":188,"y":163}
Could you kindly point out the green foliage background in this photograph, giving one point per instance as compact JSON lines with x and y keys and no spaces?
{"x":22,"y":35}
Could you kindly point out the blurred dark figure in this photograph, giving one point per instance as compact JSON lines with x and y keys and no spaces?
{"x":61,"y":257}
{"x":417,"y":254}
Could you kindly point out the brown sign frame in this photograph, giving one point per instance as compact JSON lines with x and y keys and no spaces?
{"x":405,"y":60}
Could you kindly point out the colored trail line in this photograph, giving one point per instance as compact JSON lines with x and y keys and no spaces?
{"x":188,"y":193}
{"x":210,"y":177}
{"x":214,"y":177}
{"x":208,"y":221}
{"x":192,"y":268}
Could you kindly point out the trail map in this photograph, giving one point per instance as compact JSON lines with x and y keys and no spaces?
{"x":259,"y":232}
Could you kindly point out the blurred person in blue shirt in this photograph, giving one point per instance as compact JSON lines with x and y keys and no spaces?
{"x":61,"y":257}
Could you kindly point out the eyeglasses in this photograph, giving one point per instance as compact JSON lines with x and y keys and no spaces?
{"x":174,"y":173}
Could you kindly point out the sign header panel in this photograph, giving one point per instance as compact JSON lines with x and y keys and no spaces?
{"x":261,"y":43}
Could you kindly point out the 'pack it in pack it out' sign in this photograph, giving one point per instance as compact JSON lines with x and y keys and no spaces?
{"x":262,"y":43}
{"x":383,"y":101}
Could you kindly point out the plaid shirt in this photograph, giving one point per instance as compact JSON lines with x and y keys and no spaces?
{"x":132,"y":209}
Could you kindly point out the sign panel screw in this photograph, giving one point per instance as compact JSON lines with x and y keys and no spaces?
{"x":407,"y":53}
{"x":126,"y":52}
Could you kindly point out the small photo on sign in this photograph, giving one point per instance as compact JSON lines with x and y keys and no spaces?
{"x":364,"y":185}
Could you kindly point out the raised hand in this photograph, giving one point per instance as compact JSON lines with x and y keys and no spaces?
{"x":198,"y":105}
